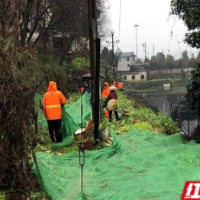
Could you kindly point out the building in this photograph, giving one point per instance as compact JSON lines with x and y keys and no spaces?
{"x":129,"y":70}
{"x":125,"y":61}
{"x":133,"y":76}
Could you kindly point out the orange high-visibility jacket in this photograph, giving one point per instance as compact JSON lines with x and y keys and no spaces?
{"x":82,"y":90}
{"x":120,"y":85}
{"x":114,"y":83}
{"x":106,"y":90}
{"x":52,"y":101}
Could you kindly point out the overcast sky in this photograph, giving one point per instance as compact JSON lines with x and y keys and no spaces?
{"x":155,"y":27}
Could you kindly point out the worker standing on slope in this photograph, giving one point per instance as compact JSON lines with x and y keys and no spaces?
{"x":53,"y":100}
{"x":114,"y":83}
{"x":105,"y":94}
{"x":120,"y":86}
{"x":112,"y":103}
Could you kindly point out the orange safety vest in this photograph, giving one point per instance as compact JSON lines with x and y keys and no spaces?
{"x":82,"y":90}
{"x":120,"y":85}
{"x":114,"y":83}
{"x":106,"y":90}
{"x":52,"y":101}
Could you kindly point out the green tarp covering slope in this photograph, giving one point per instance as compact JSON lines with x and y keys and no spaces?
{"x":140,"y":165}
{"x":72,"y":119}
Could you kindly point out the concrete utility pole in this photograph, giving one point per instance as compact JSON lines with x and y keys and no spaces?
{"x":145,"y":50}
{"x":113,"y":65}
{"x":113,"y":53}
{"x":153,"y":50}
{"x":136,"y":25}
{"x":179,"y":49}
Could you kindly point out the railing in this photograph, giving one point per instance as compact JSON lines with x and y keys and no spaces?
{"x":186,"y":119}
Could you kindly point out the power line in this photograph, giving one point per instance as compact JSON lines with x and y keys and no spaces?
{"x":171,"y":32}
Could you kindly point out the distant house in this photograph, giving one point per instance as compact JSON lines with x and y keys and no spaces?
{"x":134,"y":76}
{"x":125,"y":61}
{"x":129,"y":70}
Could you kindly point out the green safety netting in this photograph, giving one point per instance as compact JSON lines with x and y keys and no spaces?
{"x":139,"y":165}
{"x":72,"y":118}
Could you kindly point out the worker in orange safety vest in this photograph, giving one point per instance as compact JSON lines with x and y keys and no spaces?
{"x":105,"y":94}
{"x":52,"y":102}
{"x":120,"y":86}
{"x":114,"y":83}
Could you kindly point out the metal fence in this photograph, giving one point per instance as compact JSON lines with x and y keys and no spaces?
{"x":185,"y":118}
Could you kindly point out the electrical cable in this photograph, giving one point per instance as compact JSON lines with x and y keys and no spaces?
{"x":171,"y":32}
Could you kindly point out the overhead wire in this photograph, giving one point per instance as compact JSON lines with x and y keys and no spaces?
{"x":171,"y":32}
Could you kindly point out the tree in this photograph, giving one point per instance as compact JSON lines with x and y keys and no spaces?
{"x":139,"y":61}
{"x":104,"y":53}
{"x":189,"y":12}
{"x":182,"y":74}
{"x":185,"y":59}
{"x":153,"y":63}
{"x":193,"y":90}
{"x":192,"y":62}
{"x":102,"y":20}
{"x":107,"y":55}
{"x":117,"y":56}
{"x":160,"y":57}
{"x":170,"y":62}
{"x":19,"y":76}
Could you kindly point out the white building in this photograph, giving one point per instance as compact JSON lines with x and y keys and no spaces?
{"x":134,"y":76}
{"x":126,"y":60}
{"x":129,"y":70}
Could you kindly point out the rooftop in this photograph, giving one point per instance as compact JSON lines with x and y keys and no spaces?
{"x":126,"y":54}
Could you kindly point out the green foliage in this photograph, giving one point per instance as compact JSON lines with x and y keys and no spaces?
{"x":81,"y":64}
{"x":2,"y":196}
{"x":140,"y":117}
{"x":51,"y":70}
{"x":189,"y":11}
{"x":183,"y":73}
{"x":146,"y":126}
{"x":193,"y":90}
{"x":157,"y":84}
{"x":167,"y":124}
{"x":139,"y":61}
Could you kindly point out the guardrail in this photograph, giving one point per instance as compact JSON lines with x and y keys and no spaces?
{"x":186,"y":119}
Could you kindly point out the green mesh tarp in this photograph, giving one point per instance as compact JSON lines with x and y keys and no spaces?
{"x":139,"y":165}
{"x":73,"y":119}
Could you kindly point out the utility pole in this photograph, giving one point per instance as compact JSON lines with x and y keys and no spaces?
{"x":95,"y":65}
{"x":145,"y":51}
{"x":179,"y":49}
{"x":136,"y":25}
{"x":153,"y":50}
{"x":113,"y":60}
{"x":113,"y":53}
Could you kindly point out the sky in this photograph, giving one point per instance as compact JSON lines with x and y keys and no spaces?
{"x":156,"y":27}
